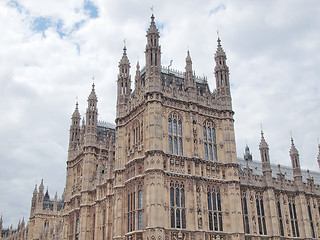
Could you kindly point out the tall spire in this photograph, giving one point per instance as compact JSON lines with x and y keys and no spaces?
{"x":90,"y":136}
{"x":294,"y":154}
{"x":221,"y":71}
{"x":123,"y":82}
{"x":247,"y":155}
{"x":74,"y":135}
{"x":153,"y":58}
{"x":265,"y":157}
{"x":189,"y":76}
{"x":137,"y":81}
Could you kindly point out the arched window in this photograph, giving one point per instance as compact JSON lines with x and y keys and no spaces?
{"x":311,"y":220}
{"x":280,"y":216}
{"x":135,"y":210}
{"x":261,"y":215}
{"x":175,"y":135}
{"x":209,"y":139}
{"x":293,"y":217}
{"x":214,"y":208}
{"x":245,"y":213}
{"x":177,"y":205}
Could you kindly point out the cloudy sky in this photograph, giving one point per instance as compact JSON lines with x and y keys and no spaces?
{"x":49,"y":51}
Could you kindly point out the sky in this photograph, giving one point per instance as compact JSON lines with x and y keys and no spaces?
{"x":51,"y":50}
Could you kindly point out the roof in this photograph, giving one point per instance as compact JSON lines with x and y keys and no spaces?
{"x":256,"y":167}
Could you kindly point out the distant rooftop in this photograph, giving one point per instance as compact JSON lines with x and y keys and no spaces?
{"x":256,"y":167}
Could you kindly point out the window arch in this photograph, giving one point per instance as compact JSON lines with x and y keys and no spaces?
{"x":209,"y":141}
{"x":177,"y":205}
{"x":175,"y":134}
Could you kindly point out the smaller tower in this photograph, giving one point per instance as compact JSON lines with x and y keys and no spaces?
{"x":153,"y":58}
{"x":294,"y":155}
{"x":34,"y":200}
{"x":41,"y":193}
{"x":221,"y":71}
{"x":123,"y":83}
{"x":137,"y":80}
{"x":55,"y":203}
{"x":74,"y":137}
{"x":247,"y":155}
{"x":91,"y":119}
{"x":189,"y":80}
{"x":265,"y":157}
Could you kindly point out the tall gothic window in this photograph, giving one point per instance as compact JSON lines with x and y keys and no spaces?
{"x":214,"y":209}
{"x":280,"y":216}
{"x":245,"y":213}
{"x":261,"y":215}
{"x":177,"y":205}
{"x":135,"y":209}
{"x":175,"y":135}
{"x":137,"y":134}
{"x":311,"y":220}
{"x":209,"y":140}
{"x":293,"y":217}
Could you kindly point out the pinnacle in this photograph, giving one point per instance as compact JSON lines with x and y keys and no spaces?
{"x":152,"y":28}
{"x":76,"y":113}
{"x":263,"y":143}
{"x":93,"y":95}
{"x":124,"y":60}
{"x":293,"y":149}
{"x":220,"y":52}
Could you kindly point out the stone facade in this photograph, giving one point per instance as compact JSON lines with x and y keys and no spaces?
{"x":168,"y":170}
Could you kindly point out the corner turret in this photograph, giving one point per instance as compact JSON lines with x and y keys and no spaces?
{"x":153,"y":58}
{"x":74,"y":130}
{"x":189,"y":78}
{"x":221,"y":71}
{"x":294,"y":155}
{"x":91,"y":119}
{"x":123,"y":83}
{"x":265,"y":157}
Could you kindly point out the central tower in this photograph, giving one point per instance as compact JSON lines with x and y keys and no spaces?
{"x":175,"y":156}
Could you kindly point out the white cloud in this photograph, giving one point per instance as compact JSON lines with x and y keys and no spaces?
{"x":273,"y":56}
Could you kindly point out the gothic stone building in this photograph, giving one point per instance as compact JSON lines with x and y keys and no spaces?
{"x":168,"y":170}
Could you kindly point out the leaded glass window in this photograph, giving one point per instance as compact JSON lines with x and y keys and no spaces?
{"x":293,"y":217}
{"x":177,"y":205}
{"x":209,"y":139}
{"x":214,"y":209}
{"x":261,"y":215}
{"x":175,"y":135}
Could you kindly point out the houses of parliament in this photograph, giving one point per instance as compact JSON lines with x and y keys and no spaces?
{"x":168,"y":169}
